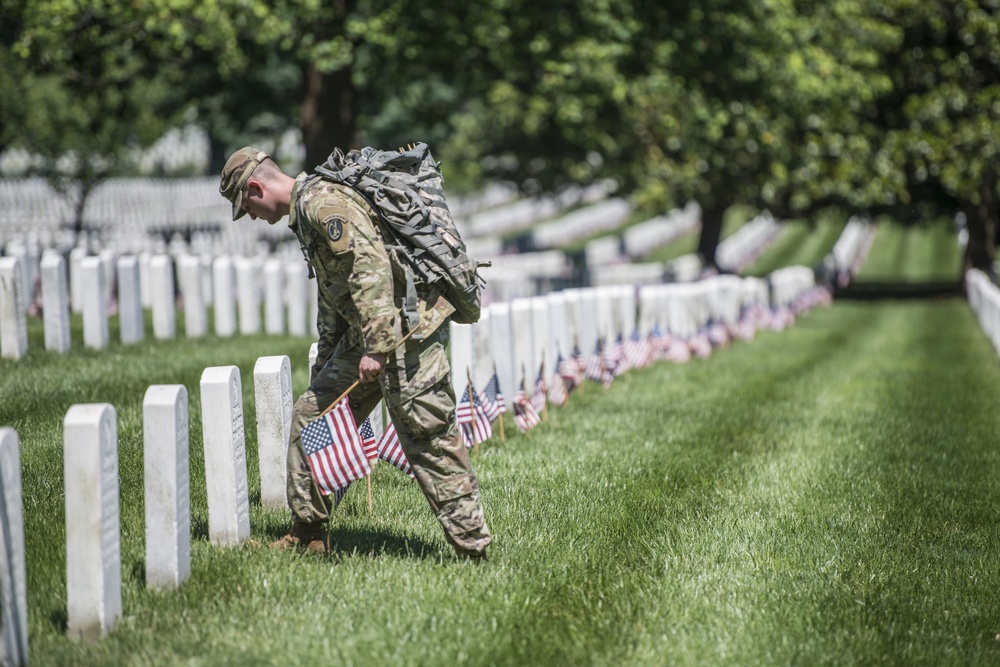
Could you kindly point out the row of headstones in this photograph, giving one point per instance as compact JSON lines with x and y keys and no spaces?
{"x":609,"y":259}
{"x":235,"y":288}
{"x":581,"y":223}
{"x":739,"y":250}
{"x":642,"y":238}
{"x":516,"y":336}
{"x":851,"y":249}
{"x":90,"y":459}
{"x":142,"y":205}
{"x":524,"y":213}
{"x":984,"y":299}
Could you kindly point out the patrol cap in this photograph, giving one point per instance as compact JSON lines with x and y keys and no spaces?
{"x":236,"y":173}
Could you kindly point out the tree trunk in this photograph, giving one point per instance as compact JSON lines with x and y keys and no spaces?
{"x":981,"y":219}
{"x":711,"y":233}
{"x":328,"y":113}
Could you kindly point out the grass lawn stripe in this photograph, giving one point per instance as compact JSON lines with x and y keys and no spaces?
{"x":713,"y":512}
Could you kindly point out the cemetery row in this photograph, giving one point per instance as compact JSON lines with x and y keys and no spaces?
{"x":623,"y":328}
{"x":238,"y":290}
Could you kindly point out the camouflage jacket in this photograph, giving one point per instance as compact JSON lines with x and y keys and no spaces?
{"x":361,"y":282}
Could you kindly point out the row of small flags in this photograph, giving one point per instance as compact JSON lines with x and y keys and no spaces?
{"x":339,"y":452}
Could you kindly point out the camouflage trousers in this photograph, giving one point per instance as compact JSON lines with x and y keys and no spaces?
{"x":416,"y":387}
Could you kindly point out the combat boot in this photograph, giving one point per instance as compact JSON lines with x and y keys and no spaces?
{"x":305,"y":536}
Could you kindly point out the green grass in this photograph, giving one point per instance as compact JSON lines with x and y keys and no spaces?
{"x":800,"y":244}
{"x":825,"y":495}
{"x":924,"y":253}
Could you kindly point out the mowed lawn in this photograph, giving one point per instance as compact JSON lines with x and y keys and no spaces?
{"x":922,"y":253}
{"x":824,"y":495}
{"x":799,"y":244}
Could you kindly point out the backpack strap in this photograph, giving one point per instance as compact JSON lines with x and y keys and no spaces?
{"x":306,"y":249}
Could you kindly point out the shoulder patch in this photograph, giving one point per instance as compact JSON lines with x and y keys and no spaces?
{"x":335,"y":228}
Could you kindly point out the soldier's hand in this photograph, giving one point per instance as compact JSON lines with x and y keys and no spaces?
{"x":371,"y":367}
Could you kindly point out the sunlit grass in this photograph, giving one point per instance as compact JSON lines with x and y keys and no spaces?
{"x":801,"y":243}
{"x":923,"y":253}
{"x":825,"y":495}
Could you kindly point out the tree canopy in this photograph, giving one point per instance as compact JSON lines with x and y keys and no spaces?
{"x":791,"y":105}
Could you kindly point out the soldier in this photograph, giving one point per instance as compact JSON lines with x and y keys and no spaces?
{"x":360,"y":329}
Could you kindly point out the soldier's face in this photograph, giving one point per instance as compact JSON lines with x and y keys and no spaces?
{"x":259,"y":203}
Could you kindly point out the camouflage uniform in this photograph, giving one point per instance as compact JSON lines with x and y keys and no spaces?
{"x":360,"y":284}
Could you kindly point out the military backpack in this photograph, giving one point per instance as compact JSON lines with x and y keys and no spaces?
{"x":404,"y":187}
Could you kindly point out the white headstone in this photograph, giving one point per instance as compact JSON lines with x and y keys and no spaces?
{"x":167,"y":485}
{"x":76,"y":256}
{"x":482,"y":362}
{"x":313,"y":354}
{"x":625,"y":317}
{"x":95,"y":307}
{"x":132,"y":325}
{"x":272,"y":386}
{"x":589,"y":330}
{"x":523,"y":345}
{"x":144,"y":295}
{"x":55,"y":303}
{"x":13,"y":326}
{"x":223,"y":284}
{"x":225,"y":455}
{"x":93,"y":538}
{"x":501,"y":348}
{"x":274,"y":297}
{"x":542,"y":343}
{"x":248,"y":290}
{"x":192,"y":291}
{"x":296,"y":292}
{"x":377,"y":421}
{"x":558,"y":329}
{"x":109,"y":261}
{"x":571,"y":297}
{"x":207,"y":290}
{"x":161,"y":291}
{"x":19,"y":251}
{"x":607,"y":313}
{"x":461,"y":357}
{"x":13,"y":585}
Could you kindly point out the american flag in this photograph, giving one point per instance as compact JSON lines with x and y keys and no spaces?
{"x":569,"y":371}
{"x":368,"y":439}
{"x":558,"y":392}
{"x":334,"y":451}
{"x":581,"y":362}
{"x":538,"y":396}
{"x":638,"y":352}
{"x":492,"y":398}
{"x":338,"y":495}
{"x":390,"y":451}
{"x":597,"y":367}
{"x":472,"y":418}
{"x":524,"y":414}
{"x":614,"y":359}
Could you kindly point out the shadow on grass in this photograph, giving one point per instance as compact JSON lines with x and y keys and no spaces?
{"x":376,"y":542}
{"x":871,"y":290}
{"x":345,"y":541}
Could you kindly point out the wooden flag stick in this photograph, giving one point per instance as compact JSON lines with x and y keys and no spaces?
{"x":503,"y":440}
{"x":369,"y":478}
{"x":357,"y":382}
{"x":472,"y":402}
{"x":545,"y":391}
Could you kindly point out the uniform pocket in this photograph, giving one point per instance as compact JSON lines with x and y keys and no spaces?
{"x":454,"y":487}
